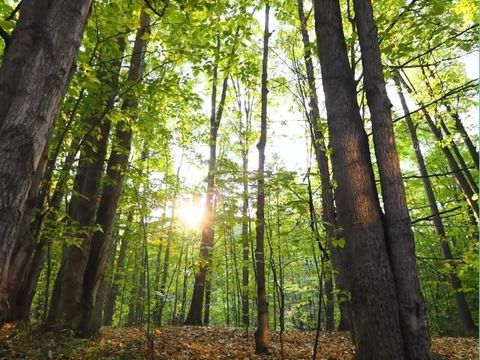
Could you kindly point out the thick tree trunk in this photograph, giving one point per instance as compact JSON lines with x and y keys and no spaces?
{"x":374,"y":302}
{"x":111,"y":192}
{"x":261,"y":334}
{"x":464,"y":311}
{"x":46,"y":39}
{"x":400,"y":240}
{"x":328,"y":206}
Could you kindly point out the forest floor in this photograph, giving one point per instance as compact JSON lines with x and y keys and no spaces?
{"x":196,"y":343}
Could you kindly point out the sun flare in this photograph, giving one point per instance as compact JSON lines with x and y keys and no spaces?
{"x":191,"y":214}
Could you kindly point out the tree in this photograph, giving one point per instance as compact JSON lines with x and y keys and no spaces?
{"x":261,"y":334}
{"x":399,"y":236}
{"x":46,"y":38}
{"x":328,"y":206}
{"x":112,"y":191}
{"x":462,"y":305}
{"x":374,"y":303}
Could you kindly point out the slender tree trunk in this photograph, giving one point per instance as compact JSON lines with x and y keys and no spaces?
{"x":472,"y":149}
{"x":194,"y":316}
{"x":454,"y":168}
{"x":459,"y":157}
{"x":117,"y":277}
{"x":111,"y":192}
{"x":46,"y":38}
{"x":166,"y":259}
{"x":261,"y":334}
{"x":374,"y":303}
{"x":464,"y":311}
{"x":399,"y":235}
{"x":184,"y":287}
{"x":245,"y":244}
{"x":460,"y":179}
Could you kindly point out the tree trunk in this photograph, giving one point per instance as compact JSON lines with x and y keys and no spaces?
{"x":399,"y":235}
{"x":111,"y":192}
{"x":24,"y":245}
{"x":460,"y":179}
{"x":245,"y":238}
{"x":166,"y":259}
{"x":472,"y":149}
{"x":464,"y":311}
{"x":374,"y":303}
{"x":328,"y":206}
{"x":117,"y":277}
{"x":459,"y":157}
{"x":46,"y":38}
{"x":261,"y":334}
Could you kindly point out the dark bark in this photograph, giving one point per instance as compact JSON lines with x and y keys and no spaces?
{"x":374,"y":303}
{"x":46,"y":39}
{"x":261,"y":333}
{"x":111,"y":192}
{"x":464,"y":311}
{"x":328,"y":206}
{"x":399,"y":235}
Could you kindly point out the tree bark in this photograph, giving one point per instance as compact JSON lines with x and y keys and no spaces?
{"x":46,"y":39}
{"x":399,"y":235}
{"x":374,"y":302}
{"x":261,"y":334}
{"x":464,"y":311}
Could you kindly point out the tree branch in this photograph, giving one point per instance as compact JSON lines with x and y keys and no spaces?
{"x":430,"y":217}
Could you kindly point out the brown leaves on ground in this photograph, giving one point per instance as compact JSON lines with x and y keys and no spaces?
{"x":196,"y":343}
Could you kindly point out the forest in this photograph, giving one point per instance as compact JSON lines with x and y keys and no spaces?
{"x":239,"y":179}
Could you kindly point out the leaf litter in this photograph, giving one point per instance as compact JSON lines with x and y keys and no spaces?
{"x":194,"y":343}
